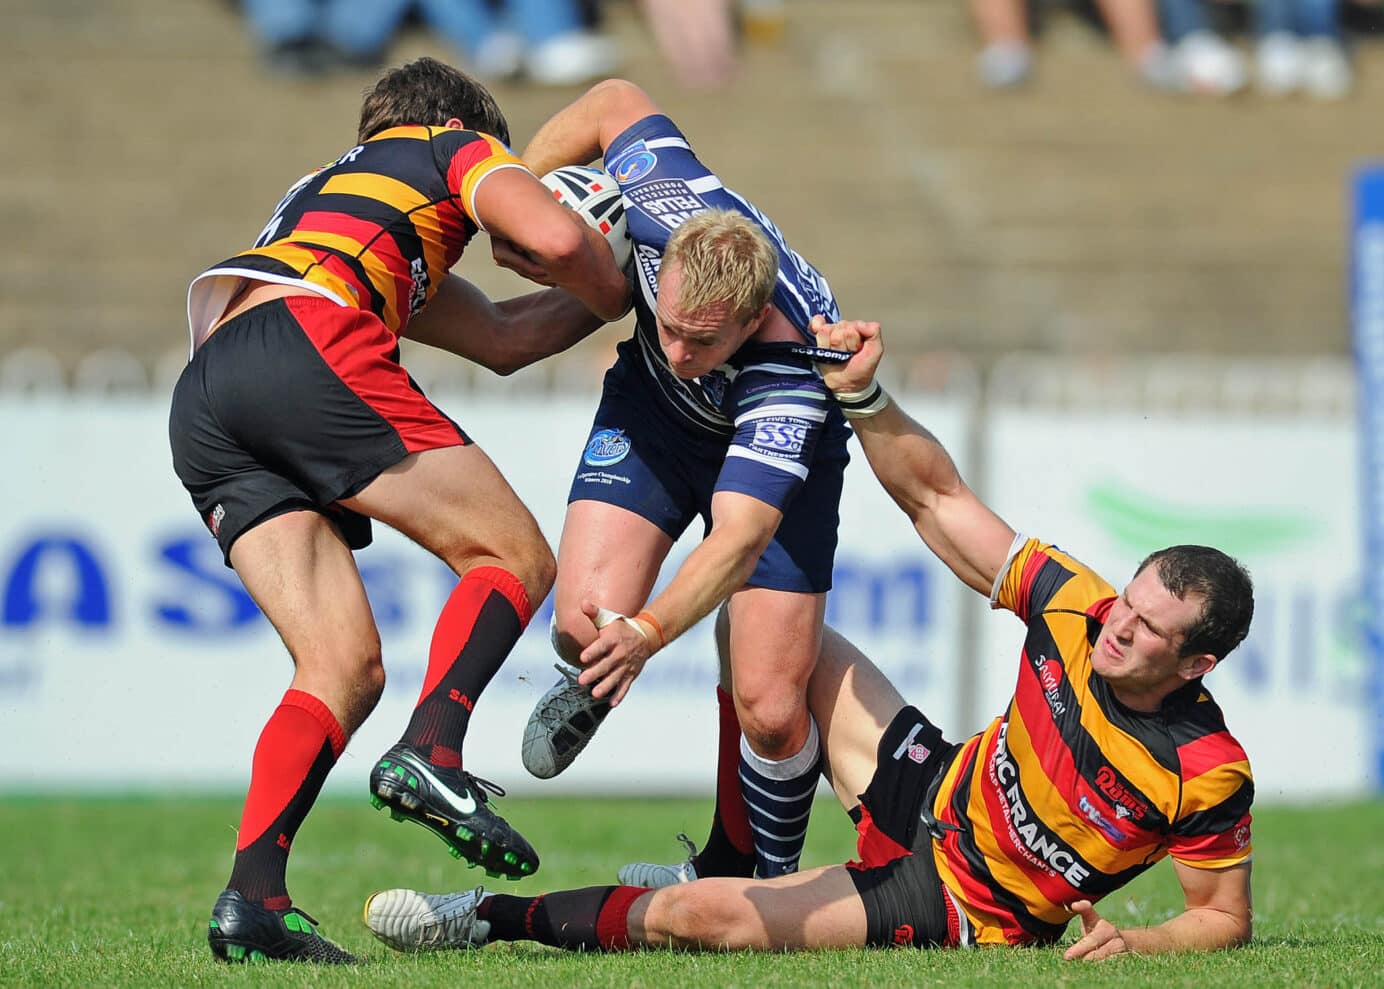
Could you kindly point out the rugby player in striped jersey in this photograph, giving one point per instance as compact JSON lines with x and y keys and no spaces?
{"x":1110,"y":756}
{"x":294,"y":424}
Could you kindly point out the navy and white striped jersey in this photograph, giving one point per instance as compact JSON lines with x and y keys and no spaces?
{"x":769,"y":403}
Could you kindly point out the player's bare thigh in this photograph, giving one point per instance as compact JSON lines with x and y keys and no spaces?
{"x":301,"y":573}
{"x":819,"y":908}
{"x":608,"y":555}
{"x":853,"y":703}
{"x":454,"y":502}
{"x":774,"y":642}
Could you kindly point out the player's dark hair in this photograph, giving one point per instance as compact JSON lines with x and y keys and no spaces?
{"x":426,"y":91}
{"x":1225,"y":587}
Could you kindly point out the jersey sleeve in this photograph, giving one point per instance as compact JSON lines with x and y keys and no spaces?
{"x":779,"y":412}
{"x":1212,"y":829}
{"x":1038,"y":576}
{"x":470,"y":158}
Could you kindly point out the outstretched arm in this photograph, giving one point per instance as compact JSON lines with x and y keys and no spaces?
{"x":502,"y":336}
{"x":912,"y":465}
{"x":580,"y":132}
{"x":1218,"y":915}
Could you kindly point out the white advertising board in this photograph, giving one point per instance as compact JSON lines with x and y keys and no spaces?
{"x":130,"y":656}
{"x":1280,"y":495}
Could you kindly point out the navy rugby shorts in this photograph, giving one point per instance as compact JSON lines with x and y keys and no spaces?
{"x":293,"y":405}
{"x":639,"y":457}
{"x":896,"y":875}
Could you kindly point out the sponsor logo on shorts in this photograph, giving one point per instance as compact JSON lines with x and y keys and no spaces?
{"x":919,"y":752}
{"x":214,"y":520}
{"x":635,"y":165}
{"x":606,"y":447}
{"x":780,"y":436}
{"x":903,"y":934}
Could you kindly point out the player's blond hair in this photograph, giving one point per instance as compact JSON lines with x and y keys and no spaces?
{"x":725,"y":257}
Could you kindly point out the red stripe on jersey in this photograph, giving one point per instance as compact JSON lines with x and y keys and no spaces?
{"x":1032,"y":565}
{"x":360,"y":349}
{"x":1208,"y":752}
{"x":371,"y":237}
{"x":1228,"y":844}
{"x":1100,"y":611}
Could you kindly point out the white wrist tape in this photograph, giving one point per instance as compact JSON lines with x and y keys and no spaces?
{"x":863,"y":404}
{"x":604,"y":617}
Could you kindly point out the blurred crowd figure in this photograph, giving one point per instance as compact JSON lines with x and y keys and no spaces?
{"x":1185,"y":45}
{"x":550,"y":42}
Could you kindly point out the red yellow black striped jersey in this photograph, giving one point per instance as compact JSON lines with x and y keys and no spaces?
{"x":1069,"y":794}
{"x":376,"y":229}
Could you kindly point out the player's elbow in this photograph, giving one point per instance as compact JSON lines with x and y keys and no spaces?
{"x":615,"y":94}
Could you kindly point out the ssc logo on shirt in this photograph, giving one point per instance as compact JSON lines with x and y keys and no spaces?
{"x":634,"y":165}
{"x":780,"y":436}
{"x":606,"y":447}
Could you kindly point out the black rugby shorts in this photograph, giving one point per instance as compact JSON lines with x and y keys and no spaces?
{"x":896,"y":875}
{"x":293,"y":405}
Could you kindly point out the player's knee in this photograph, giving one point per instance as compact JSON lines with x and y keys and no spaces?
{"x":571,"y":632}
{"x":775,"y":726}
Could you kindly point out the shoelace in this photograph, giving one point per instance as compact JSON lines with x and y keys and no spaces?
{"x":483,"y":787}
{"x":456,"y":925}
{"x":691,"y":846}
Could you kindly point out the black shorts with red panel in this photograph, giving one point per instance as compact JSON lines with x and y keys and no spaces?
{"x":292,"y":405}
{"x":896,"y":876}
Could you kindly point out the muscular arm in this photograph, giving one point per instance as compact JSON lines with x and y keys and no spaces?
{"x":741,"y":528}
{"x":514,"y":206}
{"x":581,"y":131}
{"x":915,"y":469}
{"x":502,"y":336}
{"x":1218,"y":915}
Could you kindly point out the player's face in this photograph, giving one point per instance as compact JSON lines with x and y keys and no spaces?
{"x":698,"y":342}
{"x":1137,"y":651}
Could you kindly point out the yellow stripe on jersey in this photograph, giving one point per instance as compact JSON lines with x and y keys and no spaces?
{"x":498,"y":158}
{"x":392,"y":192}
{"x":429,"y":227}
{"x":376,"y":270}
{"x":1209,"y":789}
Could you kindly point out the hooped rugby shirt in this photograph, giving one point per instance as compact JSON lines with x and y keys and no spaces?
{"x":1069,"y":794}
{"x":376,"y":229}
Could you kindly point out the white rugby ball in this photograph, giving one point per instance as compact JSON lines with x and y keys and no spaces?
{"x":594,"y":196}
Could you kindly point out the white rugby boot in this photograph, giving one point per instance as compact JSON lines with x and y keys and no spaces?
{"x":655,"y":876}
{"x":407,"y":920}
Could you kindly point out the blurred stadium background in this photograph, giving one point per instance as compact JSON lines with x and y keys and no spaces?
{"x":1127,"y":313}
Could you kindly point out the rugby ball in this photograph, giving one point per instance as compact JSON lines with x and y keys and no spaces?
{"x":594,"y":196}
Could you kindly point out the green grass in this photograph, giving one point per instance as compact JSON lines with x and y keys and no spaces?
{"x":116,"y":892}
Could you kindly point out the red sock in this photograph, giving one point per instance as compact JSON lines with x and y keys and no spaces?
{"x":479,"y":625}
{"x":297,"y":748}
{"x":729,"y":849}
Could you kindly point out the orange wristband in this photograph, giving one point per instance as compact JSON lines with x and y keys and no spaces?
{"x":653,"y":623}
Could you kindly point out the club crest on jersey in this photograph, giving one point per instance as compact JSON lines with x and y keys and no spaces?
{"x":634,"y":165}
{"x":606,"y":447}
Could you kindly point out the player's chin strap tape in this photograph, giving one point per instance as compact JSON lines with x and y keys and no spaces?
{"x":863,"y":404}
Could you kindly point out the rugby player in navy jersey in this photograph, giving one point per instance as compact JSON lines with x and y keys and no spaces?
{"x":1110,"y":756}
{"x":712,"y":409}
{"x":294,"y":424}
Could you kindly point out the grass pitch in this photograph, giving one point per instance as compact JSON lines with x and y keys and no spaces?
{"x":116,"y":892}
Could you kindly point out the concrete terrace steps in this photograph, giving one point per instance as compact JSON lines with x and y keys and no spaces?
{"x":1084,"y":213}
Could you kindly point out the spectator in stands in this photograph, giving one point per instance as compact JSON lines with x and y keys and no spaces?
{"x":696,"y":38}
{"x":1301,"y":47}
{"x":1007,"y":56}
{"x":544,"y":40}
{"x":1204,"y":62}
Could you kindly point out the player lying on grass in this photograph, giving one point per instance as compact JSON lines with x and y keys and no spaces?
{"x":1110,"y":756}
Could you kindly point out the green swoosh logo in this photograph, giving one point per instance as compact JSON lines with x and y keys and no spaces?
{"x":1140,"y":524}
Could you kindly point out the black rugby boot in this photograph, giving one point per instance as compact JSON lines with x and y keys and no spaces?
{"x":242,"y":931}
{"x":455,"y":806}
